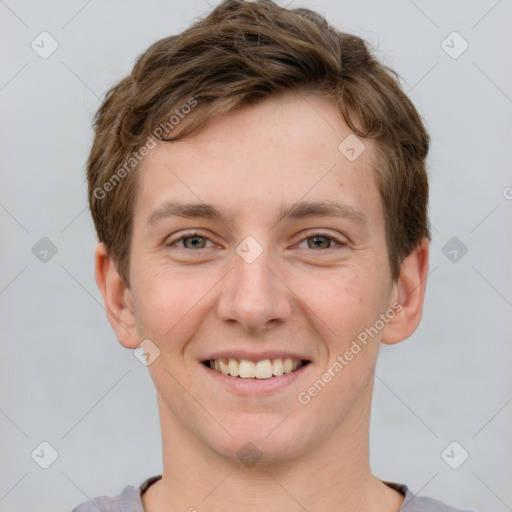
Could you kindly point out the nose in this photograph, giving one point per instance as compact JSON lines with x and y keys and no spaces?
{"x":254,"y":296}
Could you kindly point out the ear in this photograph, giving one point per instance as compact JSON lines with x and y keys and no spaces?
{"x":117,"y":298}
{"x":408,"y":295}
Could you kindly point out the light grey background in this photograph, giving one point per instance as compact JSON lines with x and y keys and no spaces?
{"x":64,"y":377}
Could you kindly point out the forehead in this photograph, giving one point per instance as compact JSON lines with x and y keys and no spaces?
{"x":262,"y":157}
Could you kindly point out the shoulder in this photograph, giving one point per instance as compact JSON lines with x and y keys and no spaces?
{"x":414,"y":503}
{"x":128,"y":501}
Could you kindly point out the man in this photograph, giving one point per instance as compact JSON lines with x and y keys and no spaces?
{"x":259,"y":191}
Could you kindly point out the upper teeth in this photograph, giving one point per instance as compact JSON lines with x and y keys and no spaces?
{"x":259,"y":370}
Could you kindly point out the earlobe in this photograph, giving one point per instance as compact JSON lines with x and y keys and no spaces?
{"x":117,"y":299}
{"x":409,"y":293}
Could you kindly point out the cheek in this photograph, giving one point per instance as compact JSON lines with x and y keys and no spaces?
{"x":343,"y":301}
{"x":343,"y":307}
{"x":170,"y":304}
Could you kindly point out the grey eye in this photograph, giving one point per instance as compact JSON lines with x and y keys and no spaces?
{"x":196,"y":242}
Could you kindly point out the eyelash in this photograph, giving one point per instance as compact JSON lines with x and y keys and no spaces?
{"x":320,"y":234}
{"x":314,"y":234}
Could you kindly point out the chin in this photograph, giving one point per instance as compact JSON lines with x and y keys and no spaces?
{"x":261,"y":442}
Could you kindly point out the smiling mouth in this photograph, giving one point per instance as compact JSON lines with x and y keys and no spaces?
{"x":246,"y":369}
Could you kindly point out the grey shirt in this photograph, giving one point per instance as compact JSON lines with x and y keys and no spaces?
{"x":130,"y":500}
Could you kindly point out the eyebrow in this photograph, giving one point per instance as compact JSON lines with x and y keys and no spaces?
{"x":300,"y":210}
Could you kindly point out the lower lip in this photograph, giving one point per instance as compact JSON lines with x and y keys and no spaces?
{"x":255,"y":386}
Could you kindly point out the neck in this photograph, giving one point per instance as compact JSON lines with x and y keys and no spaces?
{"x":332,"y":475}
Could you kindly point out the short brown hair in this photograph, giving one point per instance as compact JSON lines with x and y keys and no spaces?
{"x":240,"y":53}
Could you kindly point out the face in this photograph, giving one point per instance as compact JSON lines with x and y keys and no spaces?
{"x":256,"y":240}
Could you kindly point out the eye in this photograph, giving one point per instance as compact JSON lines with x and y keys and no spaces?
{"x":314,"y":241}
{"x":322,"y":241}
{"x":190,"y":241}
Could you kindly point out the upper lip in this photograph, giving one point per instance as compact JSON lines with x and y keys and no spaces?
{"x":254,"y":356}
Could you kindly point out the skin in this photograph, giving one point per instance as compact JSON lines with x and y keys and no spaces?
{"x":295,"y":296}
